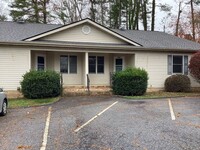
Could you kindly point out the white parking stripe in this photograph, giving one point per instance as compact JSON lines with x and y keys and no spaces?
{"x":171,"y":109}
{"x":95,"y":117}
{"x":46,"y":130}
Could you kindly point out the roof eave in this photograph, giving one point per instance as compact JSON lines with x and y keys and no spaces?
{"x":96,"y":46}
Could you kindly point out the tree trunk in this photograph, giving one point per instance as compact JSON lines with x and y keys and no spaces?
{"x":102,"y":13}
{"x":178,"y":19}
{"x":136,"y":22}
{"x":44,"y":11}
{"x":193,"y":25}
{"x":144,"y":14}
{"x":92,"y":11}
{"x":153,"y":15}
{"x":78,"y":9}
{"x":36,"y":9}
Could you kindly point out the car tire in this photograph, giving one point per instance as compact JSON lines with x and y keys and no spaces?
{"x":4,"y":108}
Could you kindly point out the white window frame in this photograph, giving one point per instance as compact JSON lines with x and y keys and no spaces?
{"x":36,"y":60}
{"x":68,"y":55}
{"x":173,"y":64}
{"x":183,"y":64}
{"x":123,"y":63}
{"x":96,"y":65}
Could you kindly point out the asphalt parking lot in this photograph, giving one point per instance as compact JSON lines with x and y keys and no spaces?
{"x":104,"y":123}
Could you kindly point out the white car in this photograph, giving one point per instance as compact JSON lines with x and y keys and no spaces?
{"x":3,"y":103}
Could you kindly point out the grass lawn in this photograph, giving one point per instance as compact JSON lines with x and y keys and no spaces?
{"x":17,"y":103}
{"x":161,"y":94}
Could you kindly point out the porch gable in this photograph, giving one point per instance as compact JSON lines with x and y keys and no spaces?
{"x":85,"y":31}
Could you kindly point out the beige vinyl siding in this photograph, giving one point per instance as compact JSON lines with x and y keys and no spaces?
{"x":101,"y":79}
{"x":53,"y":63}
{"x":156,"y":65}
{"x":74,"y":78}
{"x":14,"y":62}
{"x":49,"y":59}
{"x":104,"y":79}
{"x":75,"y":34}
{"x":129,"y":60}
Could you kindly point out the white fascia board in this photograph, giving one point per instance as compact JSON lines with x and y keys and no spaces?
{"x":55,"y":30}
{"x":113,"y":33}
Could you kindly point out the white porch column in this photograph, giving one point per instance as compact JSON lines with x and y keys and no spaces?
{"x":29,"y":61}
{"x":86,"y":67}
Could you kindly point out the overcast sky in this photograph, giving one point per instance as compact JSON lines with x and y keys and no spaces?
{"x":159,"y":15}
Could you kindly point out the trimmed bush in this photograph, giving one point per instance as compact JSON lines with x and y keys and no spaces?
{"x":130,"y":82}
{"x":177,"y":83}
{"x":40,"y":84}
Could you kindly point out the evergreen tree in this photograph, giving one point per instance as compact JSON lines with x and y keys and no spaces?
{"x":21,"y":10}
{"x":30,"y":10}
{"x":128,"y":13}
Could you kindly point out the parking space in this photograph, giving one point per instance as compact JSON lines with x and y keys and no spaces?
{"x":111,"y":123}
{"x":22,"y":128}
{"x":187,"y":110}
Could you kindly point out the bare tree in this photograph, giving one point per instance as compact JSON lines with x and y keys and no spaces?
{"x":178,"y":19}
{"x":92,"y":9}
{"x":67,"y":11}
{"x":192,"y":15}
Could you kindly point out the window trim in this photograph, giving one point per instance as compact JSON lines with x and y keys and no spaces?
{"x":183,"y":64}
{"x":68,"y":64}
{"x":96,"y":65}
{"x":118,"y":57}
{"x":36,"y":60}
{"x":178,"y":64}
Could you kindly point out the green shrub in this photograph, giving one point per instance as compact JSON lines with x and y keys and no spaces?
{"x":177,"y":83}
{"x":40,"y":84}
{"x":130,"y":82}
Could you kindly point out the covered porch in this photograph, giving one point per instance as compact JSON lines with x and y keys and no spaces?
{"x":77,"y":68}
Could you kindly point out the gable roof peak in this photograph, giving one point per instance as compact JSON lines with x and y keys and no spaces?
{"x":86,"y":20}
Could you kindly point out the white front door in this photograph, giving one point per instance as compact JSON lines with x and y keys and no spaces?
{"x":119,"y":63}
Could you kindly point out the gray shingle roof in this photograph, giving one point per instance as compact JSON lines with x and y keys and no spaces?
{"x":13,"y":32}
{"x":155,"y":39}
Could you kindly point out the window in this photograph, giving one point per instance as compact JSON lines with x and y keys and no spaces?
{"x":96,"y":64}
{"x":73,"y":64}
{"x":92,"y":64}
{"x":64,"y":64}
{"x":40,"y":63}
{"x":68,"y":64}
{"x":177,"y":64}
{"x":100,"y":64}
{"x":118,"y":64}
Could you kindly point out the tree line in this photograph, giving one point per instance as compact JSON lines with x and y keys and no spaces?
{"x":127,"y":14}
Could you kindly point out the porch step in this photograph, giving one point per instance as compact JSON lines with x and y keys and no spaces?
{"x":81,"y":91}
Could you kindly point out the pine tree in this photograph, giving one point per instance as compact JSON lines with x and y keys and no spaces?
{"x":21,"y":10}
{"x":30,"y":10}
